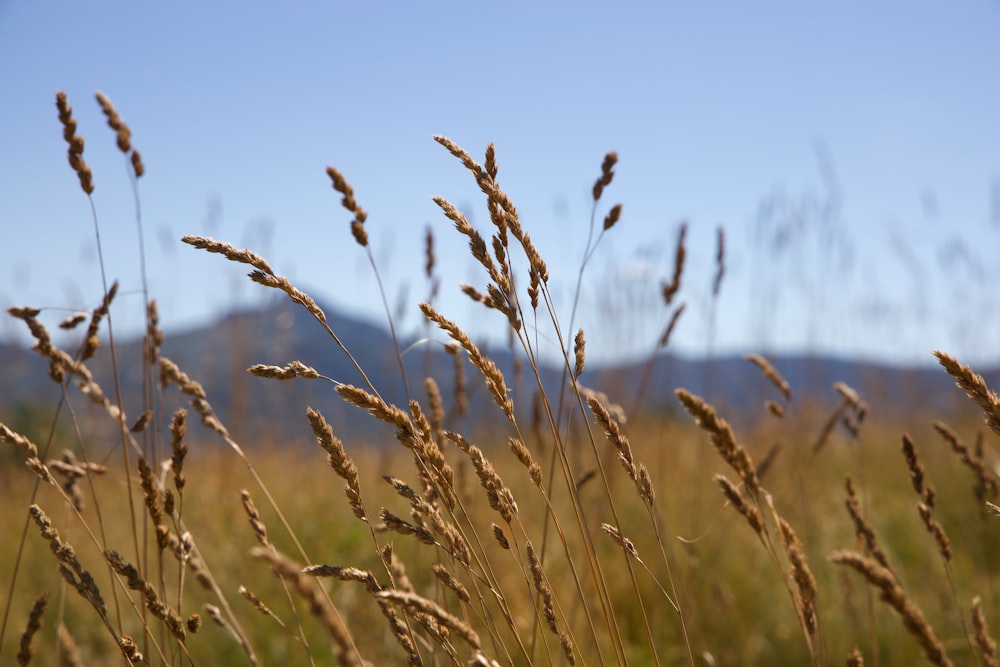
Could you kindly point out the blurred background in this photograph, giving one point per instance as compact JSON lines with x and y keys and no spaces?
{"x":850,"y":151}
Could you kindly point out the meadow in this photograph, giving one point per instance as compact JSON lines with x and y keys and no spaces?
{"x":571,"y":533}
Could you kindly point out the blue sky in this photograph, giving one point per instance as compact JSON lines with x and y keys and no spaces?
{"x":851,"y":151}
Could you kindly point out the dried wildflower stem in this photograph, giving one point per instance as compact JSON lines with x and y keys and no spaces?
{"x":894,"y":596}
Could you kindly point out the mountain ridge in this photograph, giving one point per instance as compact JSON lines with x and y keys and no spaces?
{"x":217,"y":355}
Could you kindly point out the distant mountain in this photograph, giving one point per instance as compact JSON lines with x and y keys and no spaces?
{"x":217,"y":355}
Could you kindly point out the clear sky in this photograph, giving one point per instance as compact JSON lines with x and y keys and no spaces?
{"x":851,"y":151}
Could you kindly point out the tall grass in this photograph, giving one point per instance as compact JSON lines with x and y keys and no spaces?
{"x":574,"y":533}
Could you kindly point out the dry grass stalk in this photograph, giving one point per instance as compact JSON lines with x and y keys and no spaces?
{"x":429,"y":258}
{"x":449,"y":580}
{"x":607,"y":174}
{"x":863,"y":529}
{"x":485,"y":181}
{"x":33,"y":626}
{"x":124,"y":134}
{"x":423,"y":512}
{"x":437,"y":413}
{"x":319,"y":606}
{"x":723,"y":438}
{"x":228,"y":251}
{"x":670,"y":289}
{"x":720,"y":261}
{"x":986,"y":644}
{"x":68,"y":650}
{"x":151,"y":598}
{"x":137,"y":164}
{"x":637,"y":473}
{"x":438,"y":476}
{"x":73,"y":320}
{"x":258,"y":526}
{"x":294,"y":369}
{"x":75,"y":142}
{"x":69,"y":566}
{"x":142,"y":422}
{"x":151,"y":494}
{"x":193,"y":623}
{"x":772,"y":374}
{"x":183,"y":550}
{"x":215,"y":614}
{"x":974,"y":387}
{"x":17,"y":440}
{"x":993,"y":509}
{"x":178,"y":427}
{"x":924,"y":489}
{"x":259,"y":605}
{"x":894,"y":595}
{"x":829,"y":425}
{"x":579,"y":353}
{"x":130,"y":649}
{"x":171,"y":373}
{"x":524,"y":456}
{"x":413,"y":602}
{"x":342,"y":465}
{"x":500,"y":497}
{"x":547,"y":596}
{"x":617,"y":537}
{"x":477,"y":245}
{"x":72,"y":471}
{"x":769,"y":458}
{"x":986,"y":479}
{"x":805,"y":582}
{"x":671,"y":325}
{"x":935,"y":528}
{"x":348,"y":202}
{"x":736,"y":499}
{"x":403,"y":527}
{"x":344,"y":574}
{"x":774,"y":409}
{"x":494,"y":378}
{"x":92,"y":341}
{"x":378,"y":408}
{"x":500,"y":537}
{"x":427,"y":515}
{"x":611,"y":219}
{"x":460,"y":394}
{"x":294,"y":293}
{"x":154,"y":336}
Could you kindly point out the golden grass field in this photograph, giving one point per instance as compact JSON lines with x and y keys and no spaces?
{"x":822,"y":534}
